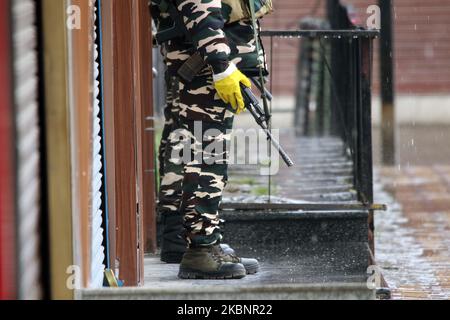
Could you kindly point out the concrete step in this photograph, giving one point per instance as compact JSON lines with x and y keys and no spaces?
{"x":307,"y":190}
{"x":319,"y":165}
{"x":159,"y":291}
{"x":332,"y":241}
{"x":331,"y":197}
{"x":307,"y":276}
{"x":281,"y":228}
{"x":324,"y":237}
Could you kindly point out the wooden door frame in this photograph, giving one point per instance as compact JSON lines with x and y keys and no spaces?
{"x":58,"y":146}
{"x":127,"y":244}
{"x":145,"y":125}
{"x":81,"y":97}
{"x":129,"y":135}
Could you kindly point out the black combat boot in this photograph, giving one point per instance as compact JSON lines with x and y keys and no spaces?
{"x":209,"y":263}
{"x":173,"y":244}
{"x":251,"y":265}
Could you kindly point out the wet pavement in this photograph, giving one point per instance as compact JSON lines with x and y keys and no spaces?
{"x":312,"y":267}
{"x":413,"y":236}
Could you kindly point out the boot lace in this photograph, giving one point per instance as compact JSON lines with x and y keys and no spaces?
{"x":232,"y":256}
{"x":217,"y":254}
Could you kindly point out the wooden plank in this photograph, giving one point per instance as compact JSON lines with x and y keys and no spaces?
{"x":145,"y":122}
{"x":8,"y":289}
{"x":58,"y":147}
{"x":127,"y":68}
{"x":81,"y":99}
{"x":138,"y":103}
{"x":125,"y":145}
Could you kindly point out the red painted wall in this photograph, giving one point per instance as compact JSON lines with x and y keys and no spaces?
{"x":7,"y":225}
{"x":422,"y":43}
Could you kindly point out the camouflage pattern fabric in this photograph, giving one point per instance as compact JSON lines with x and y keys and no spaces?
{"x":235,"y":43}
{"x":194,"y":188}
{"x":238,"y":10}
{"x":170,"y":168}
{"x":243,"y":47}
{"x":205,"y":121}
{"x":204,"y":21}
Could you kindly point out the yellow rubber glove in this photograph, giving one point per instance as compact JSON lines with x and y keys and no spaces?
{"x":228,"y":87}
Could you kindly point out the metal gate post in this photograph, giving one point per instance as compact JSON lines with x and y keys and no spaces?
{"x":365,"y":52}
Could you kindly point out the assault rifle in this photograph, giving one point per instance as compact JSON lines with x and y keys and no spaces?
{"x":255,"y":109}
{"x":196,"y":63}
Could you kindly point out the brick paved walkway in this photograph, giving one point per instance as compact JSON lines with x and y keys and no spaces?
{"x":413,"y":237}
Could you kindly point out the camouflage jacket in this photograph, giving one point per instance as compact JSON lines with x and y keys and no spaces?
{"x":220,"y":30}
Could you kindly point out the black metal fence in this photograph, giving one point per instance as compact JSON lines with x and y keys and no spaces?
{"x":334,"y":93}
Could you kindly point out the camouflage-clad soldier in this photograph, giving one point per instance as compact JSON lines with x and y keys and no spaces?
{"x":191,"y":191}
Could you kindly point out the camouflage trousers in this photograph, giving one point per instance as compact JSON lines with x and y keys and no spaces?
{"x":193,"y":157}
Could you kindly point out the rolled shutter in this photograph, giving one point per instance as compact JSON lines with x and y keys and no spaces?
{"x":97,"y":248}
{"x":28,"y":154}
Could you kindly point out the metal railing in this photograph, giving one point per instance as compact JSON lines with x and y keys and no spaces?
{"x":334,"y":73}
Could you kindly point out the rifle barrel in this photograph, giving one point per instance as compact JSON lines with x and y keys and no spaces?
{"x":252,"y":106}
